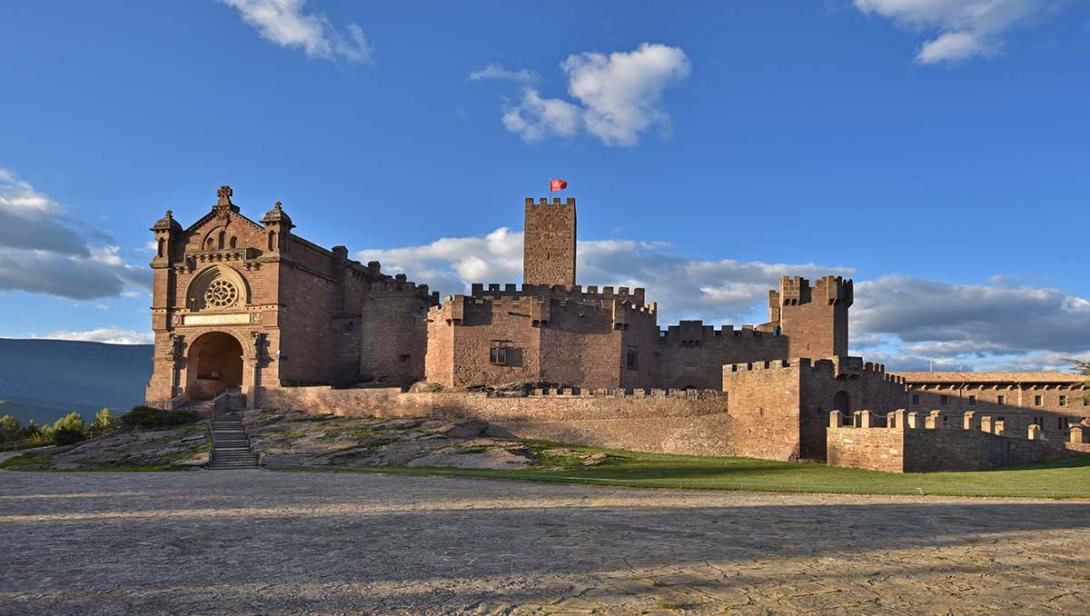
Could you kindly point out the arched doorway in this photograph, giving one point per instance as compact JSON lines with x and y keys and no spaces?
{"x":214,"y":365}
{"x":842,"y":403}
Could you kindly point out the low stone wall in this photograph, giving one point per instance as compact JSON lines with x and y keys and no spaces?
{"x":658,"y":421}
{"x":909,"y":446}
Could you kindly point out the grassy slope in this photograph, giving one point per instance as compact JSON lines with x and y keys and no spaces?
{"x":1062,"y":479}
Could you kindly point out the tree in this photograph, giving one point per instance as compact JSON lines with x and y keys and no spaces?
{"x":1083,"y":368}
{"x":69,"y":429}
{"x":105,"y":421}
{"x":9,"y":428}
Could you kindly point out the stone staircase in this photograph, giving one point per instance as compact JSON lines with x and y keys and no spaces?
{"x":230,"y":445}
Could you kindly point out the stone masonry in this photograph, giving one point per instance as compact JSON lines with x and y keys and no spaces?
{"x":251,"y":307}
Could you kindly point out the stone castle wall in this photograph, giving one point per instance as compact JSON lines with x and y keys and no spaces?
{"x":789,"y":400}
{"x":675,"y":422}
{"x":549,"y":242}
{"x":911,"y":444}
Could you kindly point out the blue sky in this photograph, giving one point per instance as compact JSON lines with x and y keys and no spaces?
{"x":935,"y":151}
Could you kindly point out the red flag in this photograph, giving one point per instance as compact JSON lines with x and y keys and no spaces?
{"x":557,"y":185}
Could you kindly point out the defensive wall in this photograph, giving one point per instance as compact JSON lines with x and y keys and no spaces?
{"x":908,"y":441}
{"x":687,"y":422}
{"x":788,"y":399}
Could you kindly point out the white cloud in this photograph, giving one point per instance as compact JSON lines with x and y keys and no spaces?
{"x":499,"y":73}
{"x":43,"y":251}
{"x":284,"y":23}
{"x":619,"y":96}
{"x":983,"y":326}
{"x":110,"y":335}
{"x":725,"y":291}
{"x":963,"y":29}
{"x":535,"y":118}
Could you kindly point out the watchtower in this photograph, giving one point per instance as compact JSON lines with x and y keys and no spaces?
{"x":814,"y":319}
{"x":549,"y":242}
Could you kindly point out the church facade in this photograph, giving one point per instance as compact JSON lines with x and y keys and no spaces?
{"x":241,"y":305}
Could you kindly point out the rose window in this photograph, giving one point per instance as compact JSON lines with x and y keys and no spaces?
{"x":221,"y":294}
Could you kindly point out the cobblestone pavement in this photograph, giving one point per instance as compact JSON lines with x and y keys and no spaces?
{"x":264,"y":542}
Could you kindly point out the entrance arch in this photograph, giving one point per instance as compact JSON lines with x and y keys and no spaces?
{"x":842,"y":403}
{"x":214,"y":365}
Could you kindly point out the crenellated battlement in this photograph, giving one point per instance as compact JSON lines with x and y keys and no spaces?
{"x":540,"y":307}
{"x":555,"y":201}
{"x":578,"y":293}
{"x":695,"y":331}
{"x":829,"y":290}
{"x":576,"y":392}
{"x":401,"y":285}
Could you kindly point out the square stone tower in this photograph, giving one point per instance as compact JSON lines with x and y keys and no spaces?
{"x":549,"y":243}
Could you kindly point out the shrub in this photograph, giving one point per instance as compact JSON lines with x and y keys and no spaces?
{"x":105,"y":421}
{"x":148,"y":418}
{"x":69,"y":429}
{"x":10,"y":429}
{"x":68,"y":436}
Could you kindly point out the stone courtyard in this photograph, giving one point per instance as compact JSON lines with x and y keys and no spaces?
{"x":266,"y":542}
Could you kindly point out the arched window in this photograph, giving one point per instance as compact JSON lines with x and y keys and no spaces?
{"x":272,"y":240}
{"x":234,"y":242}
{"x":222,"y":237}
{"x":162,"y":247}
{"x":209,"y":243}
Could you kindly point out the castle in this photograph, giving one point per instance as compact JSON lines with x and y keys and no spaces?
{"x":248,"y":311}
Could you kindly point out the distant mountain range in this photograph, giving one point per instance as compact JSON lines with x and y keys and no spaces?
{"x":46,"y":379}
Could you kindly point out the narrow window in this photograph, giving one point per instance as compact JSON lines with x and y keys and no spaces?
{"x":1000,"y":399}
{"x":162,"y":247}
{"x":632,"y":361}
{"x":497,"y":355}
{"x":1037,"y":401}
{"x":943,"y":400}
{"x":234,"y":242}
{"x":222,"y":236}
{"x":972,"y":400}
{"x":1086,"y":401}
{"x":1063,"y":400}
{"x":915,"y":399}
{"x":1060,"y":423}
{"x":272,"y":240}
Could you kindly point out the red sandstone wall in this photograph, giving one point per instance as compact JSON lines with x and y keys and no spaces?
{"x":764,"y":404}
{"x":916,"y":450}
{"x":393,"y":341}
{"x":693,"y":423}
{"x":868,"y":387}
{"x":549,"y":242}
{"x":815,"y":318}
{"x":878,"y":449}
{"x":693,"y":355}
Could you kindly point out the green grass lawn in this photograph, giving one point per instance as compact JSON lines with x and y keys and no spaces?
{"x":1059,"y":479}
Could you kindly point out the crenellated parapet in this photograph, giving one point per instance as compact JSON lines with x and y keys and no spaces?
{"x":828,"y":290}
{"x":540,"y":309}
{"x":699,"y":394}
{"x":576,"y":293}
{"x":691,"y":333}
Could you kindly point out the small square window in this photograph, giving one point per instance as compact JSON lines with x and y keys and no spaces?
{"x":1063,"y":400}
{"x":1000,"y":399}
{"x":972,"y":400}
{"x":1038,"y":400}
{"x":1086,"y":401}
{"x":497,"y":355}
